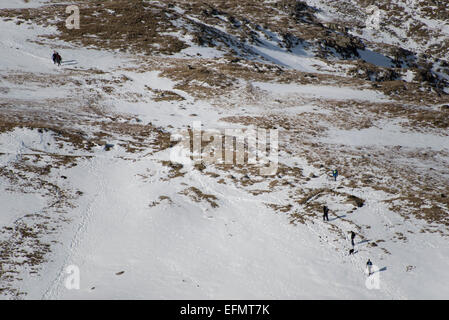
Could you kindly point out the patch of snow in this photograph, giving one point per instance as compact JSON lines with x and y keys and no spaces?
{"x":326,"y":92}
{"x":388,"y":135}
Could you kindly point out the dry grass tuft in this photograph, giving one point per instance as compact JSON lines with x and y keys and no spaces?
{"x":197,"y":195}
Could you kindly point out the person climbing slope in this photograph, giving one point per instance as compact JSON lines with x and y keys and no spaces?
{"x":352,"y":238}
{"x":325,"y":213}
{"x":335,"y":174}
{"x":56,"y":57}
{"x":53,"y":57}
{"x":369,"y":266}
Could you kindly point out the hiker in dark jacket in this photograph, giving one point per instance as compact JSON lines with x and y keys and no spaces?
{"x":369,"y":265}
{"x":57,"y":58}
{"x":352,"y":238}
{"x":325,"y":213}
{"x":335,"y":174}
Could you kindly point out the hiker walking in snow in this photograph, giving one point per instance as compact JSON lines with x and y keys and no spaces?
{"x":369,"y":266}
{"x":335,"y":174}
{"x":325,"y":213}
{"x":351,"y":251}
{"x":352,"y":238}
{"x":56,"y":58}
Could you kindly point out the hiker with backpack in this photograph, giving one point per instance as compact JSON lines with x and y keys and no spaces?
{"x":335,"y":174}
{"x":352,"y":238}
{"x":351,"y":251}
{"x":325,"y":213}
{"x":369,"y":266}
{"x":56,"y":57}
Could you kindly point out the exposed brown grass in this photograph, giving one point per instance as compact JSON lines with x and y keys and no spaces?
{"x":166,"y":95}
{"x":25,"y":243}
{"x":197,"y":195}
{"x":123,"y":24}
{"x":175,"y":169}
{"x":160,"y":200}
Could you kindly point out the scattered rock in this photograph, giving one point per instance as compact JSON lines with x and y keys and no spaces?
{"x":200,"y":166}
{"x":356,"y":201}
{"x":409,"y":268}
{"x":108,"y":147}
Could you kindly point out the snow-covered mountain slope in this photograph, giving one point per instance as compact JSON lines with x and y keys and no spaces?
{"x":88,"y":176}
